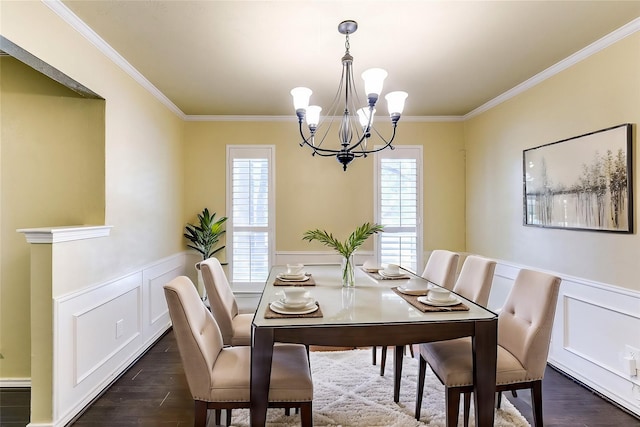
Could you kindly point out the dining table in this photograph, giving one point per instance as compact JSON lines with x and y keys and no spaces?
{"x":371,"y":313}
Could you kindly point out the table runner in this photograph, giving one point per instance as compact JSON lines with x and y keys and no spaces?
{"x":413,"y":300}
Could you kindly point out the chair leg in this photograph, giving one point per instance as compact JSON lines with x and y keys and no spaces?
{"x":452,"y":398}
{"x":287,"y":412}
{"x":373,"y":354}
{"x":536,"y":403}
{"x":467,"y":408}
{"x":422,"y":370}
{"x":514,"y":393}
{"x":411,"y":350}
{"x":499,"y":400}
{"x":200,"y":414}
{"x":383,"y":359}
{"x":228,"y":411}
{"x":306,"y":414}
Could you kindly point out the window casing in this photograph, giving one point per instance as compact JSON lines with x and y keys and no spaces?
{"x":251,"y":211}
{"x":398,"y":206}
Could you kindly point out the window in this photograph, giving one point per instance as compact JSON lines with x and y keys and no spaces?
{"x":250,"y":201}
{"x":398,"y":206}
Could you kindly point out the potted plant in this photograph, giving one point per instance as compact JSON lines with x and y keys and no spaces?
{"x":204,"y":238}
{"x":346,"y":248}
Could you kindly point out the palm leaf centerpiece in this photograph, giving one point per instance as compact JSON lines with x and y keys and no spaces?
{"x":346,"y":248}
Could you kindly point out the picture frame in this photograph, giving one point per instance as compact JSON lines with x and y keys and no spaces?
{"x":581,"y":183}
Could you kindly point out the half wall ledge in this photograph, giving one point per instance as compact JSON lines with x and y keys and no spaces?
{"x":65,"y":233}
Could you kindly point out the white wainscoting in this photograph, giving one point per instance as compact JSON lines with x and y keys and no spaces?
{"x":99,"y":331}
{"x":593,"y":323}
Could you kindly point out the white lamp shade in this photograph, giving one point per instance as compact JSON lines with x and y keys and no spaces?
{"x":301,"y":97}
{"x":373,"y":79}
{"x":363,"y":116}
{"x":313,"y":115}
{"x":395,"y":102}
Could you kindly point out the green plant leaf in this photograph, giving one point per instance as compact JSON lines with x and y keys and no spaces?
{"x":353,"y":242}
{"x":205,"y":236}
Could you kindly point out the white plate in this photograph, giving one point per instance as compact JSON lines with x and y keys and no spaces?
{"x":293,"y":278}
{"x":307,"y":302}
{"x":279,"y":308}
{"x":453,"y":300}
{"x":392,"y":276}
{"x":413,"y":291}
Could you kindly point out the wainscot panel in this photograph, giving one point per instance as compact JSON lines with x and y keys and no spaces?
{"x":593,"y":324}
{"x":102,"y":329}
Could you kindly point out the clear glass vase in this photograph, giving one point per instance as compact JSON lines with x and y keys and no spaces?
{"x":348,"y":272}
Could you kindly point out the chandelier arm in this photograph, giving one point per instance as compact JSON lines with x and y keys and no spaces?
{"x":325,"y":152}
{"x":387,"y":143}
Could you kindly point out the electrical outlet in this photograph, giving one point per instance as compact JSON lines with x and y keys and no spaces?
{"x":635,"y":354}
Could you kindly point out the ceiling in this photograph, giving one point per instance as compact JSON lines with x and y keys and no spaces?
{"x":242,"y":58}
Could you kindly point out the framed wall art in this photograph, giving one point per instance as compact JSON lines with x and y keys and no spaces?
{"x":581,"y":183}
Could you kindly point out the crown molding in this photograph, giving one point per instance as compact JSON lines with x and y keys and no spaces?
{"x":65,"y":234}
{"x":77,"y":24}
{"x":69,"y":17}
{"x":292,"y":118}
{"x":595,"y":47}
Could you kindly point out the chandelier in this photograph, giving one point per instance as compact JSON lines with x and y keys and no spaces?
{"x":347,"y":115}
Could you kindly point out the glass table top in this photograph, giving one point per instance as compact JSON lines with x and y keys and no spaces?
{"x":371,"y":301}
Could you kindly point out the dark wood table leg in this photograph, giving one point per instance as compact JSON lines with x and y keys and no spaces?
{"x":485,"y":351}
{"x":261,"y":357}
{"x":397,"y":372}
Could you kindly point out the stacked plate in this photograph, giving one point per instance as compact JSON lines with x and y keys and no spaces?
{"x":293,"y":277}
{"x":388,"y":275}
{"x":412,"y":290}
{"x":452,"y":300}
{"x":303,"y":306}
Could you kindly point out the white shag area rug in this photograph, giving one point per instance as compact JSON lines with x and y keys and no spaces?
{"x":349,"y":391}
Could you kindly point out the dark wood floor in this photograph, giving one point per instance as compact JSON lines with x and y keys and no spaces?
{"x":154,"y":392}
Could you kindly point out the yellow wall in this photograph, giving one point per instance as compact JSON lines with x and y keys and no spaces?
{"x":52,"y":143}
{"x":314,"y":192}
{"x":599,"y":92}
{"x":140,"y":195}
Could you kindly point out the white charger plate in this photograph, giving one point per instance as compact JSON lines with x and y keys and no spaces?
{"x":306,"y":302}
{"x":278,"y":307}
{"x":293,"y":278}
{"x":413,"y":291}
{"x":453,"y":300}
{"x":393,"y":276}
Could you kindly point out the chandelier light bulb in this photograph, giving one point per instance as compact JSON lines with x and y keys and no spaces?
{"x":373,"y":80}
{"x":395,"y":102}
{"x":313,"y":116}
{"x":363,"y":117}
{"x":301,"y":97}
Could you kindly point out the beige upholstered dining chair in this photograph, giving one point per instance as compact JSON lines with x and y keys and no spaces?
{"x":524,"y":335}
{"x":235,"y":327}
{"x":441,"y":269}
{"x":473,"y":283}
{"x":475,"y":278}
{"x":218,"y":376}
